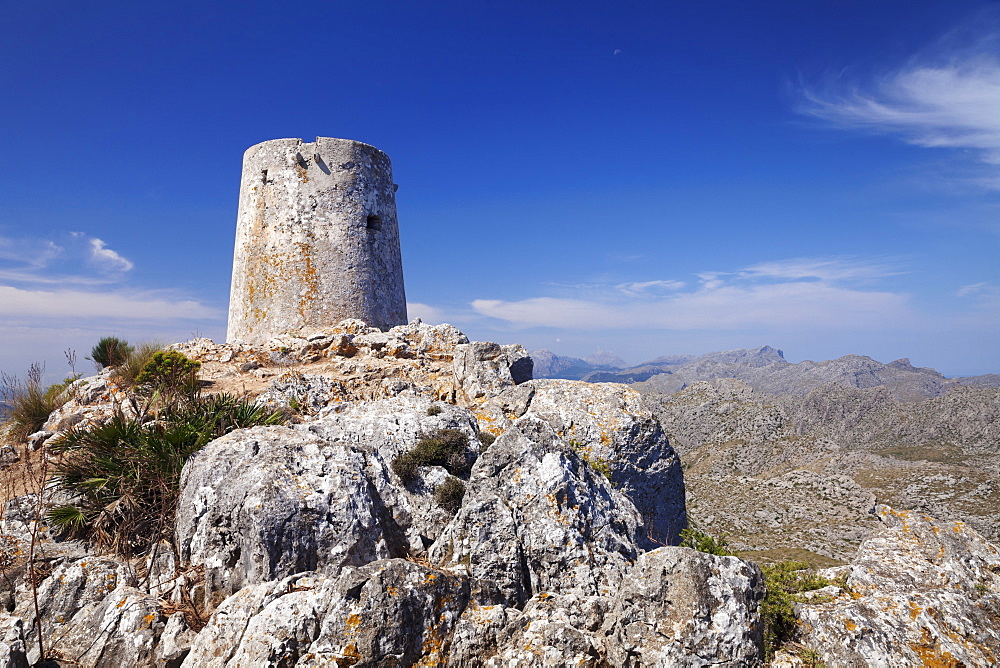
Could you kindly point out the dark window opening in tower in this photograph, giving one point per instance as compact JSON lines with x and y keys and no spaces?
{"x":374,"y":222}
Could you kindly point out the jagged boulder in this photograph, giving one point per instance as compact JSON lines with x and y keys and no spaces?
{"x":392,"y":612}
{"x":483,"y":369}
{"x":681,"y":607}
{"x":611,"y":427}
{"x":93,"y":614}
{"x":920,"y":592}
{"x":12,"y":642}
{"x":537,"y":518}
{"x":261,"y":504}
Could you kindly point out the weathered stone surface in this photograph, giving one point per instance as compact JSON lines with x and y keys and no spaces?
{"x":92,"y":614}
{"x":316,"y":239}
{"x":536,"y":518}
{"x":385,"y":429}
{"x":611,"y":427}
{"x":681,"y":607}
{"x":553,"y":630}
{"x":12,"y":642}
{"x":175,"y":641}
{"x":920,"y":592}
{"x":484,"y":369}
{"x":264,"y":503}
{"x":303,"y":393}
{"x":392,"y":612}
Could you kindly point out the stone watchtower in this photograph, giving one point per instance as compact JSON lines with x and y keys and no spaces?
{"x":316,"y":240}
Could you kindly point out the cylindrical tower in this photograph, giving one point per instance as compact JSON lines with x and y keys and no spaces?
{"x":316,"y":240}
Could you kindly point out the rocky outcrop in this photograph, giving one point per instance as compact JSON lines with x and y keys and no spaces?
{"x":920,"y":592}
{"x":681,"y":607}
{"x":392,"y":612}
{"x":261,"y":504}
{"x":536,"y":518}
{"x":484,"y":369}
{"x":92,"y":613}
{"x":611,"y":427}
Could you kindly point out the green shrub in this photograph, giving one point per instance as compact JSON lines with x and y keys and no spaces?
{"x":434,"y":409}
{"x":134,"y":362}
{"x":699,"y":540}
{"x":30,"y":402}
{"x":110,"y":351}
{"x":444,"y":447}
{"x":450,"y":493}
{"x":786,"y":581}
{"x":169,"y":373}
{"x":486,"y":439}
{"x":124,"y":474}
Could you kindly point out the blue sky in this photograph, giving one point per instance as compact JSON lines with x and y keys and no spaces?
{"x":642,"y":177}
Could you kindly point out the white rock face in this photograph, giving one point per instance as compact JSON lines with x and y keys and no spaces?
{"x":538,"y":519}
{"x":921,"y":592}
{"x":316,"y":240}
{"x":681,"y":607}
{"x":610,"y":426}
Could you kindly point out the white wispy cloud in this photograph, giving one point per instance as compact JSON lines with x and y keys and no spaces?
{"x":115,"y":306}
{"x":75,"y":259}
{"x":948,"y":97}
{"x":425,"y":312}
{"x":838,"y":268}
{"x":107,"y":260}
{"x":649,"y":287}
{"x":805,"y":292}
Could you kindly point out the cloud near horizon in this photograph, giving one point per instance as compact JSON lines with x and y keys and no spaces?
{"x":946,"y":99}
{"x":797,"y":293}
{"x":78,"y":272}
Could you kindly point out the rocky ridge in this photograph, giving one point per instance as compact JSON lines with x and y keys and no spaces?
{"x":803,"y":473}
{"x":300,"y":545}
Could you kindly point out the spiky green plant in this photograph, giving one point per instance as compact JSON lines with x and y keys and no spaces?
{"x":110,"y":351}
{"x":124,"y":474}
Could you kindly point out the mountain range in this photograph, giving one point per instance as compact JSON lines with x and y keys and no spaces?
{"x":765,"y":369}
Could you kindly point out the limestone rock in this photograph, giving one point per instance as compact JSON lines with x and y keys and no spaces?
{"x":681,"y":607}
{"x":920,"y":592}
{"x":611,"y":427}
{"x":263,"y":503}
{"x":12,"y":642}
{"x":484,"y":369}
{"x":92,"y":614}
{"x":302,"y":392}
{"x":392,"y":612}
{"x":536,"y":518}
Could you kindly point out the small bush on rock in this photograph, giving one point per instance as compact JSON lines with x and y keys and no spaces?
{"x":703,"y":542}
{"x":134,"y":362}
{"x":124,"y":474}
{"x":434,"y":410}
{"x":110,"y":351}
{"x":170,"y":373}
{"x":444,"y":447}
{"x":486,"y":439}
{"x":786,"y":582}
{"x":30,"y":402}
{"x":450,"y":493}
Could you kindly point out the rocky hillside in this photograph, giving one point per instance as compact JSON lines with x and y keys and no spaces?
{"x":786,"y":473}
{"x":432,"y":504}
{"x":765,"y":369}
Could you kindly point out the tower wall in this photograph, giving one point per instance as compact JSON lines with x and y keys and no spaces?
{"x":316,"y":240}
